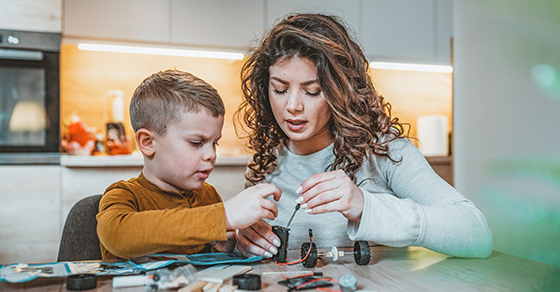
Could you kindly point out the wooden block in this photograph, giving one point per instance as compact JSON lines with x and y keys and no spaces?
{"x":194,"y":287}
{"x":211,"y":287}
{"x":227,"y":288}
{"x":219,"y":274}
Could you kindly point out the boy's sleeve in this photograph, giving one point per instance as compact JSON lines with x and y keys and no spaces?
{"x":127,"y":233}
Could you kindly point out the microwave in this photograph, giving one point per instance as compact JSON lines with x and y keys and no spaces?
{"x":29,"y":97}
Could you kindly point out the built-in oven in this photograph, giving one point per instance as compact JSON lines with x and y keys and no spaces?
{"x":29,"y":97}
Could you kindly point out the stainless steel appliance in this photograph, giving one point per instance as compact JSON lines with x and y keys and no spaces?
{"x":29,"y":97}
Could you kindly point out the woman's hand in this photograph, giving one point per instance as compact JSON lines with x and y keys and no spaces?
{"x":225,"y":246}
{"x":329,"y":192}
{"x":257,"y":240}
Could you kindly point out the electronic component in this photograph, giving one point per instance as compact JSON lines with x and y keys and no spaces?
{"x":81,"y":282}
{"x":247,"y":281}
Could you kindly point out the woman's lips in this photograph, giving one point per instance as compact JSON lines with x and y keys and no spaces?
{"x":296,"y":125}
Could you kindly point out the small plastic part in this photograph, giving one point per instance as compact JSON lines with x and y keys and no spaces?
{"x":131,"y":281}
{"x":283,"y":233}
{"x":362,"y":253}
{"x":348,"y":283}
{"x":247,"y":281}
{"x":81,"y":282}
{"x":311,"y":260}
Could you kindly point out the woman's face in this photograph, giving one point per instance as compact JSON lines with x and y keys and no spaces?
{"x":299,"y":105}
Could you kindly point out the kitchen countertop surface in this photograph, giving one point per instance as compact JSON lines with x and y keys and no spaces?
{"x":134,"y":160}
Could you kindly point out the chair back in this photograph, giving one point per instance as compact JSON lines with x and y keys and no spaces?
{"x":79,"y":237}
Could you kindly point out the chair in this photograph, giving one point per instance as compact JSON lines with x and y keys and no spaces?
{"x":79,"y":237}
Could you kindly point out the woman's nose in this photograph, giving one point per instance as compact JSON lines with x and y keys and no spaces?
{"x":294,"y":103}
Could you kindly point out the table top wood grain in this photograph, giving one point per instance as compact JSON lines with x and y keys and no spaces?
{"x":390,"y":269}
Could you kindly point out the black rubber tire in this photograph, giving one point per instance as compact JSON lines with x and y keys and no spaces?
{"x":311,"y":260}
{"x":362,"y":253}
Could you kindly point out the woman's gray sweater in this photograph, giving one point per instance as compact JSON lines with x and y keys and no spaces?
{"x":405,"y":204}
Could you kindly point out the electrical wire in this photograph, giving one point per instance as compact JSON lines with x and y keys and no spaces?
{"x":298,"y":261}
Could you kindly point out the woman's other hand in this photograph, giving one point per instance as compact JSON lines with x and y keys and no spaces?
{"x":225,"y":246}
{"x":257,"y":240}
{"x":331,"y":191}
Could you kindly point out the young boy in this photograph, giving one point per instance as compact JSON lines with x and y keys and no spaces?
{"x":168,"y":208}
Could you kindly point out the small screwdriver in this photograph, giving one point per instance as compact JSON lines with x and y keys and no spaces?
{"x":297,"y":208}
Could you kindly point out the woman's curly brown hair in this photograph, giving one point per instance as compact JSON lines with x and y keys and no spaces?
{"x":360,"y":117}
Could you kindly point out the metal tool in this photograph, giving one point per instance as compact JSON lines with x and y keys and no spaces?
{"x":293,"y":214}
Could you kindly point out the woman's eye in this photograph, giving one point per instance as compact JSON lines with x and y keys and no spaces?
{"x":216,"y":143}
{"x":313,"y":93}
{"x":196,"y":143}
{"x":276,"y":91}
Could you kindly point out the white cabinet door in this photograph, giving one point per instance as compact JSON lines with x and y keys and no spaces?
{"x":31,"y":15}
{"x":216,"y":23}
{"x":129,"y":20}
{"x":29,"y":214}
{"x":444,"y":30}
{"x":348,"y":10}
{"x":400,"y":30}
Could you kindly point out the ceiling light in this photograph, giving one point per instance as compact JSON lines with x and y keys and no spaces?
{"x":411,"y":67}
{"x":160,"y":51}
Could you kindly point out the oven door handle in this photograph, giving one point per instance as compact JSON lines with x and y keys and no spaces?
{"x":21,"y":55}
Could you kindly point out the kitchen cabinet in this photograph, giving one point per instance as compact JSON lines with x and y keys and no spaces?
{"x":416,"y":31}
{"x":31,"y":15}
{"x":127,"y":20}
{"x":395,"y":31}
{"x":29,"y":213}
{"x":348,"y":10}
{"x":216,"y":23}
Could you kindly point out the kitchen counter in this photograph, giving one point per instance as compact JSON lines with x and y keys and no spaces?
{"x":133,"y":160}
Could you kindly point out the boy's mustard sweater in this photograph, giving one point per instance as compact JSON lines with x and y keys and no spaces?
{"x":137,"y":218}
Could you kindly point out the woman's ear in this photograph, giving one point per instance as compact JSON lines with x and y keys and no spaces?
{"x":145,"y":142}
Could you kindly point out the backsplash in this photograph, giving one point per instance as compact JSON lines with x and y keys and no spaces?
{"x":87,"y":76}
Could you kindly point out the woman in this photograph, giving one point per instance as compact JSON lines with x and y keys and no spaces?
{"x":322,"y":134}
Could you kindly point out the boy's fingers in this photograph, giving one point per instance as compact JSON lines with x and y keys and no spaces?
{"x":270,"y":206}
{"x":270,"y":189}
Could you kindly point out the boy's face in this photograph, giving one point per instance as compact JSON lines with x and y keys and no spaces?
{"x":185,"y":155}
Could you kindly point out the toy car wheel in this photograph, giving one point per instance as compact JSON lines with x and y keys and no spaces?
{"x":311,"y":260}
{"x":362,"y":253}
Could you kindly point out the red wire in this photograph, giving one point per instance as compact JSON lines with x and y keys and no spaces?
{"x":304,"y":275}
{"x":298,"y":261}
{"x":316,"y":280}
{"x":327,"y":289}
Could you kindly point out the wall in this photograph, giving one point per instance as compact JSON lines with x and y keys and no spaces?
{"x":86,"y":76}
{"x":506,"y":104}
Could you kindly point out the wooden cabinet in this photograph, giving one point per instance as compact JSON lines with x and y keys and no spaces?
{"x":127,"y":20}
{"x":29,"y":213}
{"x":31,"y":15}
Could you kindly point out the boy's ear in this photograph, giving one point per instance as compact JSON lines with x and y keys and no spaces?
{"x":145,"y":142}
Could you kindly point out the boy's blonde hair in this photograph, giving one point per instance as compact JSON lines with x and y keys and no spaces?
{"x":161,"y":98}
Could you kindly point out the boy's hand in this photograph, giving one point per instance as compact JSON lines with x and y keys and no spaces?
{"x":258,"y":240}
{"x":225,"y":246}
{"x":250,"y":206}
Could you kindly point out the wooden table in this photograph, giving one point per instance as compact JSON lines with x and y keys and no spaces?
{"x":391,"y":269}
